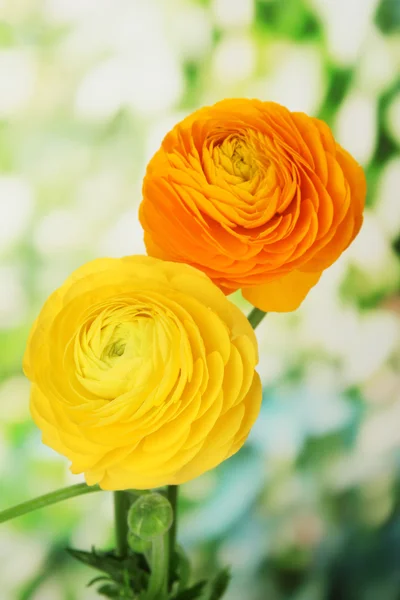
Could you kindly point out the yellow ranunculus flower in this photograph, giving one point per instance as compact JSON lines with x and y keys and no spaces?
{"x":143,"y":373}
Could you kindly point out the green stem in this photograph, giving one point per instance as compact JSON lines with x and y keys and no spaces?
{"x":26,"y":507}
{"x":157,"y":589}
{"x":121,"y":507}
{"x":255,"y":317}
{"x":172,"y":494}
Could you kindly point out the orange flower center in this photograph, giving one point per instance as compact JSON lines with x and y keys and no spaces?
{"x":235,"y":160}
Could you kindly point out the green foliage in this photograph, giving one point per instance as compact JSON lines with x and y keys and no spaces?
{"x":220,"y":584}
{"x":192,"y":593}
{"x":290,"y":18}
{"x":181,"y":569}
{"x":129,"y":577}
{"x":388,"y":16}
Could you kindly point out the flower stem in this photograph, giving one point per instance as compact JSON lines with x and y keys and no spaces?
{"x":52,"y":498}
{"x":255,"y":317}
{"x":121,"y":507}
{"x":172,"y":494}
{"x":157,"y":589}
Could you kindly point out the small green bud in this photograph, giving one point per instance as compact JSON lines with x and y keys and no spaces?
{"x":150,"y":516}
{"x":137,"y":544}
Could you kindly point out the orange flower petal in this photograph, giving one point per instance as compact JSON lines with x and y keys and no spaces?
{"x":284,"y":294}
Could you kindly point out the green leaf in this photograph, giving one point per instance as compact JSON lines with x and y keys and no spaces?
{"x":97,"y":579}
{"x":191,"y":593}
{"x":132,"y":571}
{"x":220,"y":584}
{"x":182,"y":569}
{"x":109,"y":590}
{"x":101,"y":561}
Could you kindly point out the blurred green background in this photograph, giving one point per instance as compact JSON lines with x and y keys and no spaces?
{"x":310,"y":508}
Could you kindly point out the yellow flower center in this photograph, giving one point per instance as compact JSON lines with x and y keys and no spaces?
{"x":124,"y":348}
{"x":124,"y":341}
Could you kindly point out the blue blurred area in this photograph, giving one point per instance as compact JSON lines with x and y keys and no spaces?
{"x":309,"y":509}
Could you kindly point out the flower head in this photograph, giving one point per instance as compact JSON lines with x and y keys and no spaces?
{"x":259,"y":198}
{"x":142,"y":372}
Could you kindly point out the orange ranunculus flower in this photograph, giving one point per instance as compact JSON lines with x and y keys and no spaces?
{"x":256,"y":196}
{"x":143,"y":373}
